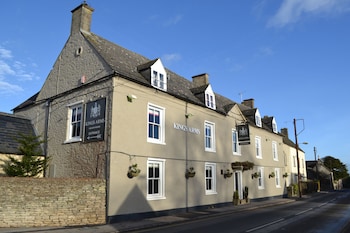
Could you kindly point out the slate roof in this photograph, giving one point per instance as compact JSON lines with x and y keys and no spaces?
{"x":10,"y":127}
{"x":128,"y":65}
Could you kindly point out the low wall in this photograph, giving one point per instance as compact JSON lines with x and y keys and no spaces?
{"x":38,"y":202}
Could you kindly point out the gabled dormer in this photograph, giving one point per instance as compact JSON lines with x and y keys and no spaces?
{"x":270,"y":122}
{"x":203,"y":90}
{"x":258,"y":118}
{"x":155,"y":73}
{"x":251,"y":112}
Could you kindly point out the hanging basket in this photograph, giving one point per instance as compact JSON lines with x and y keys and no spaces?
{"x":133,"y":171}
{"x":190,"y":173}
{"x":228,"y":174}
{"x":255,"y":175}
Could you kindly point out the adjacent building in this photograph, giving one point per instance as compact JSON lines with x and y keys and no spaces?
{"x":11,"y":128}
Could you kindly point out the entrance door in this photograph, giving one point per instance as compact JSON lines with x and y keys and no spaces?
{"x":238,"y":183}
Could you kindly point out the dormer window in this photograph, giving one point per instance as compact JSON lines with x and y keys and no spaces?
{"x":274,"y":125}
{"x":158,"y":75}
{"x":154,"y":72}
{"x":158,"y":80}
{"x":210,"y":98}
{"x":258,"y":118}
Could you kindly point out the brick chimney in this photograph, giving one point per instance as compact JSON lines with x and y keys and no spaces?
{"x":200,"y":80}
{"x":284,"y":132}
{"x":248,"y":103}
{"x":81,"y":18}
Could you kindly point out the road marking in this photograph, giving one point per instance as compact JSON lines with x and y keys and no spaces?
{"x":268,"y":224}
{"x":303,"y":211}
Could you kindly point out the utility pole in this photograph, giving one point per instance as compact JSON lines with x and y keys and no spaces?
{"x":297,"y":153}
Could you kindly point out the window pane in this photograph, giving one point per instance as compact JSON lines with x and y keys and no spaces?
{"x":156,"y":186}
{"x":156,"y":131}
{"x":150,"y":187}
{"x":78,"y":129}
{"x":156,"y":170}
{"x":150,"y":131}
{"x":156,"y":117}
{"x":79,"y":114}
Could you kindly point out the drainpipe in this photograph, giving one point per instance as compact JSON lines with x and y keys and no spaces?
{"x":186,"y":154}
{"x":46,"y":130}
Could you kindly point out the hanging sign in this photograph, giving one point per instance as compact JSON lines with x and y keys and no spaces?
{"x":95,"y":118}
{"x":243,"y":134}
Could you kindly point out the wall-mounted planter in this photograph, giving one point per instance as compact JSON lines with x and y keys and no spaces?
{"x":272,"y":175}
{"x":228,"y":173}
{"x":255,"y":175}
{"x":133,"y":171}
{"x":190,"y":173}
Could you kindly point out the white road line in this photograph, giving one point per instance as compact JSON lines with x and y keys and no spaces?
{"x":262,"y":226}
{"x":303,"y":212}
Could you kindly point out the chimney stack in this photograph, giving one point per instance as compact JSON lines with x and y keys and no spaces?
{"x":284,"y":132}
{"x":81,"y":18}
{"x":248,"y":103}
{"x":200,"y":80}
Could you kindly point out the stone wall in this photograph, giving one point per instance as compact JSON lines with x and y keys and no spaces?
{"x":38,"y":202}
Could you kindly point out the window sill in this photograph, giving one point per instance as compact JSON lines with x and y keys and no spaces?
{"x":155,"y":198}
{"x":211,"y":193}
{"x":73,"y":140}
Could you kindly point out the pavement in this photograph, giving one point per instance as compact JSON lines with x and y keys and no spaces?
{"x":135,"y":225}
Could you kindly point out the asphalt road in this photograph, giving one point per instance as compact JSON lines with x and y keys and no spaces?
{"x":324,"y":214}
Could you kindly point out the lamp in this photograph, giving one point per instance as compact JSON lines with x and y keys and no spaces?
{"x":131,"y":97}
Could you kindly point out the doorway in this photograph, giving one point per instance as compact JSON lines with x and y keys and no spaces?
{"x":237,"y":183}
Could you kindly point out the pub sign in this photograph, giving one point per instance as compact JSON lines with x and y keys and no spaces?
{"x":95,"y":118}
{"x":243,"y":134}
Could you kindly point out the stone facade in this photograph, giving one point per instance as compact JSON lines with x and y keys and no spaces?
{"x":35,"y":202}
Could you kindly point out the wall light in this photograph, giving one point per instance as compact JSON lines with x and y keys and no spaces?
{"x":131,"y":97}
{"x":187,"y":115}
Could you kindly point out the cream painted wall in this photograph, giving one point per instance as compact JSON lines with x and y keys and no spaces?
{"x":129,"y":145}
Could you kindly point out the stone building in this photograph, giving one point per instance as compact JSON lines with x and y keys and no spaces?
{"x":163,"y":143}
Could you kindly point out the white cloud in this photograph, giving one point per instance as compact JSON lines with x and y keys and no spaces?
{"x":7,"y":88}
{"x":169,"y":58}
{"x":173,"y":21}
{"x":5,"y":54}
{"x":265,"y":51}
{"x":13,"y":72}
{"x":292,"y":11}
{"x":5,"y":69}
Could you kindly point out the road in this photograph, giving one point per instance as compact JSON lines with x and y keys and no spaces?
{"x":324,"y":214}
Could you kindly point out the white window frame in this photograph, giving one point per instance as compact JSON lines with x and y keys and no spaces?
{"x":274,"y":126}
{"x":70,"y":124}
{"x":261,"y":181}
{"x":277,"y":177}
{"x":210,"y":178}
{"x":258,"y":150}
{"x":158,"y":76}
{"x":160,"y":125}
{"x":294,"y":158}
{"x":258,"y":118}
{"x":209,"y":138}
{"x":274,"y":151}
{"x":236,"y":148}
{"x":160,"y":179}
{"x":210,"y":98}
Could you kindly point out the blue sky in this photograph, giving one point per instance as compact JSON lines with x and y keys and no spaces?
{"x":291,"y":56}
